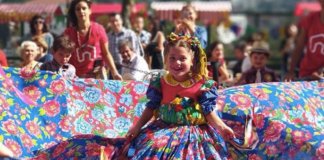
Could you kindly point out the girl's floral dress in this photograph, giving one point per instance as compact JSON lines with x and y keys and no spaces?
{"x":180,"y":130}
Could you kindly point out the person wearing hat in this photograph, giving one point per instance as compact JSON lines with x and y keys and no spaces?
{"x":259,"y":72}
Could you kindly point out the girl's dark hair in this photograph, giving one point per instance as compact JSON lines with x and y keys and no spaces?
{"x":71,"y":12}
{"x":33,"y":21}
{"x":211,"y":48}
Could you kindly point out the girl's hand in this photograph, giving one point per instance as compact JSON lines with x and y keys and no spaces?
{"x":226,"y":132}
{"x":133,"y":132}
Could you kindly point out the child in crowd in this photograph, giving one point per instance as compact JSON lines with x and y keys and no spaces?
{"x":259,"y":72}
{"x":134,"y":66}
{"x":62,"y":49}
{"x":216,"y":64}
{"x":43,"y":55}
{"x":183,"y":102}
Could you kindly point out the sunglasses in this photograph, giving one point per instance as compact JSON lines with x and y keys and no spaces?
{"x":39,"y":22}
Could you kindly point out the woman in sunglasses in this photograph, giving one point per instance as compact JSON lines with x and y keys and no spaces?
{"x":39,"y":28}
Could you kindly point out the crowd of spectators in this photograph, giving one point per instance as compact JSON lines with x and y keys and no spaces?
{"x":131,"y":53}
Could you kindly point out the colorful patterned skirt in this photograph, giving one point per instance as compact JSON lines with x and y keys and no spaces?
{"x":160,"y":140}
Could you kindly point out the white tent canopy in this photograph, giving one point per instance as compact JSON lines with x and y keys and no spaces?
{"x":208,"y":11}
{"x":208,"y":6}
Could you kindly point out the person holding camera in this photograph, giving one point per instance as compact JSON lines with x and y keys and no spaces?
{"x":187,"y":25}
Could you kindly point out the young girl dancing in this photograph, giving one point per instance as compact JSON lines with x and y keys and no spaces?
{"x":183,"y":103}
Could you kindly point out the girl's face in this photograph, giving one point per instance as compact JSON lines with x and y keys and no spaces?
{"x":218,"y":52}
{"x":82,"y":11}
{"x":258,"y":61}
{"x":179,"y":63}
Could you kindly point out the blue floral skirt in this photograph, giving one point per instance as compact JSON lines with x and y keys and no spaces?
{"x":160,"y":140}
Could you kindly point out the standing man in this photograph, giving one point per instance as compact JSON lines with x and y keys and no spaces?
{"x":143,"y":35}
{"x":118,"y":34}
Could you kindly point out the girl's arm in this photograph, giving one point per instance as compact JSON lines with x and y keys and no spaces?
{"x":146,"y":116}
{"x":216,"y":122}
{"x":109,"y":59}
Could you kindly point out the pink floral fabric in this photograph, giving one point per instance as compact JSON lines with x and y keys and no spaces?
{"x":43,"y":116}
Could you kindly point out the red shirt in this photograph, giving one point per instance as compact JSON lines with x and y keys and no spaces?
{"x":87,"y":47}
{"x":314,"y":58}
{"x":3,"y":59}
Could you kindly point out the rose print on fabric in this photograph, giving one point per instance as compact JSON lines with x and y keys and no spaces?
{"x":92,"y":95}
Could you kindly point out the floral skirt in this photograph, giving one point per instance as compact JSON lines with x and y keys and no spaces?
{"x":160,"y":140}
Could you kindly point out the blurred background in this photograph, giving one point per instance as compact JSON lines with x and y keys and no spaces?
{"x":227,"y":21}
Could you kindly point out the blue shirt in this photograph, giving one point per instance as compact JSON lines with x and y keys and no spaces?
{"x":145,"y":37}
{"x":201,"y":34}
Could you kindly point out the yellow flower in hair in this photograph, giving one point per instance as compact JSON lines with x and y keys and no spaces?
{"x":173,"y":37}
{"x":191,"y":40}
{"x":177,"y":100}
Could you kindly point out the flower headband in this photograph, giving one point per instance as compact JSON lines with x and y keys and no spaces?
{"x":191,"y":40}
{"x":194,"y":43}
